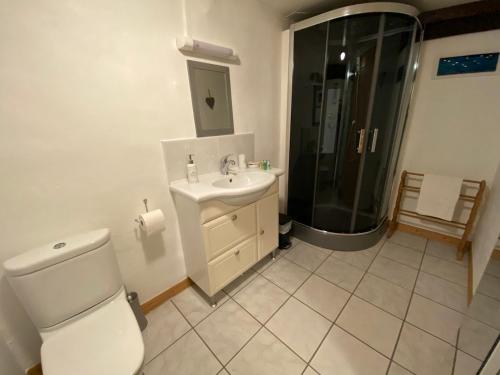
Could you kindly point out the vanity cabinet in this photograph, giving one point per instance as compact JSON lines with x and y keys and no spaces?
{"x":222,"y":241}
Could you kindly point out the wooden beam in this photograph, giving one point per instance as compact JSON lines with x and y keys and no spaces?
{"x":461,"y":19}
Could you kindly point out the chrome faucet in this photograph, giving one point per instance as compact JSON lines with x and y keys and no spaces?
{"x":225,"y":164}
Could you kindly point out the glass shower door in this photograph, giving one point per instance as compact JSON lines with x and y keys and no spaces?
{"x":396,"y":43}
{"x":307,"y":103}
{"x":350,"y":67}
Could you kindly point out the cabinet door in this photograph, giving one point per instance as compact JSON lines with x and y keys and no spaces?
{"x":267,"y":224}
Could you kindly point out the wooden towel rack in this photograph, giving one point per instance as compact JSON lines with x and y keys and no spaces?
{"x":466,"y":227}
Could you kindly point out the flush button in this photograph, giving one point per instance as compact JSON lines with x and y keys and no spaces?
{"x":59,"y":245}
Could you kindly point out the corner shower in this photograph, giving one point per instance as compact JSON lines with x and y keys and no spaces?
{"x":353,"y":71}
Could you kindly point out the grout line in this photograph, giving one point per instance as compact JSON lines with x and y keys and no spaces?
{"x":275,"y":312}
{"x":339,"y":314}
{"x":465,"y":314}
{"x":292,"y":295}
{"x":409,"y":305}
{"x":456,"y":353}
{"x":168,"y":346}
{"x":196,"y":333}
{"x":272,"y":315}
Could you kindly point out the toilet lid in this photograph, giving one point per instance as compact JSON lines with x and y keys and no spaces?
{"x":107,"y":341}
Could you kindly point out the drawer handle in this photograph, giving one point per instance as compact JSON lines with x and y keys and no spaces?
{"x":237,"y":252}
{"x":234,"y":217}
{"x":262,"y":231}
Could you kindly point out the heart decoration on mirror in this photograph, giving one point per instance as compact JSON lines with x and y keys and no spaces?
{"x":210,"y":100}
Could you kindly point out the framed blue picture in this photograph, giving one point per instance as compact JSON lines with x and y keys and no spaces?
{"x":467,"y":64}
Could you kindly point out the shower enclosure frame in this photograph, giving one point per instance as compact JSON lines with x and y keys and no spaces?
{"x":363,"y":240}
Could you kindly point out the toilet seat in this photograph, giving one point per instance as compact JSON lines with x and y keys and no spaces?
{"x":107,"y":341}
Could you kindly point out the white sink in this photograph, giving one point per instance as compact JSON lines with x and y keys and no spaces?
{"x":243,"y":180}
{"x":239,"y":189}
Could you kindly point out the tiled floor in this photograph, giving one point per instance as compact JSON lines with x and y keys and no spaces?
{"x":395,"y":308}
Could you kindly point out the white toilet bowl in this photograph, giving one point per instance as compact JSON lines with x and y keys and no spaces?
{"x":73,"y":292}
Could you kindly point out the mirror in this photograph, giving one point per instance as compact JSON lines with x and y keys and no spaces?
{"x":211,"y":98}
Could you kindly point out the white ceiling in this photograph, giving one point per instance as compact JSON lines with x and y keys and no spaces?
{"x":300,"y":9}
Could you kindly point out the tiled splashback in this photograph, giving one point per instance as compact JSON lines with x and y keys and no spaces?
{"x":207,"y":152}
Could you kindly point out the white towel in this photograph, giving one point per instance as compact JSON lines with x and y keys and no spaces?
{"x":439,"y":196}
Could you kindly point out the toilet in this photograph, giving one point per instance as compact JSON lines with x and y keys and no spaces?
{"x":73,"y":292}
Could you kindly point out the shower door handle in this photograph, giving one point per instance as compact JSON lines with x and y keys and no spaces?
{"x":361,"y":141}
{"x":374,"y":140}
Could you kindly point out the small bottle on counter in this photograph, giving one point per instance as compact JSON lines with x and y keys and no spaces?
{"x":191,"y":171}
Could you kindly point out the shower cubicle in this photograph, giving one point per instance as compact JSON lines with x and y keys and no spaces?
{"x":352,"y":72}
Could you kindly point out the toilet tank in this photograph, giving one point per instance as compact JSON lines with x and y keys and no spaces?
{"x":62,"y":279}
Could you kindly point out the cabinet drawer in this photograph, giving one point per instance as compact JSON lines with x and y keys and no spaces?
{"x":214,"y":208}
{"x":229,"y":230}
{"x":232,"y":263}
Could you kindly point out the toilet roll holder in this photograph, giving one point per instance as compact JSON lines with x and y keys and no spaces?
{"x":145,"y":201}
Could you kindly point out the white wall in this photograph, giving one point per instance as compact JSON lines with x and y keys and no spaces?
{"x":453,"y":126}
{"x":88,"y":90}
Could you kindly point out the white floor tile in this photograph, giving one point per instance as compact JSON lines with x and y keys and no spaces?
{"x":434,"y":318}
{"x":384,"y":294}
{"x":445,"y":251}
{"x":493,"y":267}
{"x":490,"y":286}
{"x":188,"y":356}
{"x":442,"y":291}
{"x":227,"y":330}
{"x":396,"y":369}
{"x":309,"y":257}
{"x":402,"y":254}
{"x":394,"y":272}
{"x":409,"y":240}
{"x":265,"y":355}
{"x":465,"y":364}
{"x":486,"y":310}
{"x":342,"y":354}
{"x":423,"y":353}
{"x":476,"y":338}
{"x":446,"y":270}
{"x":165,"y":325}
{"x":261,"y":298}
{"x":310,"y":371}
{"x":360,"y":259}
{"x":240,"y":282}
{"x":287,"y":275}
{"x":301,"y":328}
{"x":340,"y":273}
{"x":371,"y":325}
{"x":194,"y":306}
{"x":322,"y":296}
{"x":264,"y":264}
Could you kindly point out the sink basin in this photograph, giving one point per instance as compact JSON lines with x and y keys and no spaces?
{"x":243,"y":188}
{"x":243,"y":180}
{"x":236,"y":190}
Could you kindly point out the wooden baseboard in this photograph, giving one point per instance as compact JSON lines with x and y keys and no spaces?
{"x":470,"y":279}
{"x":35,"y":370}
{"x":429,"y":234}
{"x":496,"y":254}
{"x":154,"y":302}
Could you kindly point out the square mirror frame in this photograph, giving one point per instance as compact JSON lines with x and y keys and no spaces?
{"x":198,"y":120}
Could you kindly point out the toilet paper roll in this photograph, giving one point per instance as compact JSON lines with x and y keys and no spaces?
{"x":152,"y":222}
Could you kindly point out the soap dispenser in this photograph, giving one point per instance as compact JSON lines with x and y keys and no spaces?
{"x":191,"y":171}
